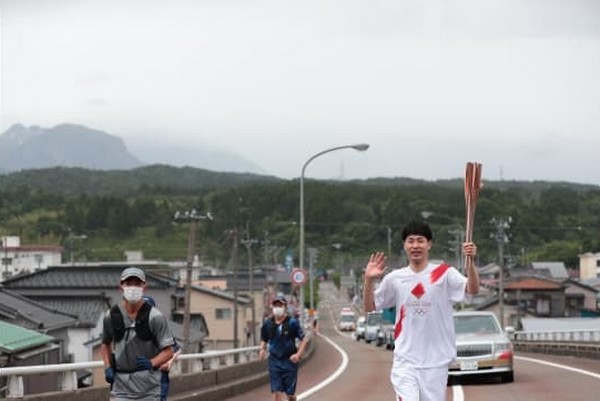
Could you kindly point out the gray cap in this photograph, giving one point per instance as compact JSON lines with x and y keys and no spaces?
{"x":279,"y":298}
{"x":133,"y":272}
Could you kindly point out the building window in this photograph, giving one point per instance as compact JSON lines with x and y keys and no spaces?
{"x":223,"y":313}
{"x":543,"y":307}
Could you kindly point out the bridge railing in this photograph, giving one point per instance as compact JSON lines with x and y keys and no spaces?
{"x":564,"y":336}
{"x":199,"y":362}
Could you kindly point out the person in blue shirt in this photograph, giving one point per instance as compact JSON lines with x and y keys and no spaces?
{"x":279,"y":334}
{"x":165,"y":367}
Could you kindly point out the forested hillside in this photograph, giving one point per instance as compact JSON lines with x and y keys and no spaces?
{"x":345,"y":221}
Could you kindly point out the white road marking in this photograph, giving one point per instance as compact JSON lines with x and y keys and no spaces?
{"x":331,"y":378}
{"x":559,"y":366}
{"x":457,"y":393}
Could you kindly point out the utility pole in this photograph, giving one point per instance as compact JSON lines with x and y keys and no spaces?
{"x":312,"y":253}
{"x":234,"y":239}
{"x":501,"y":226}
{"x":189,"y":216}
{"x":389,"y":244}
{"x":248,"y":242}
{"x":458,"y":237}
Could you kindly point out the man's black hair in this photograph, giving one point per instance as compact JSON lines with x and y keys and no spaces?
{"x":417,"y":228}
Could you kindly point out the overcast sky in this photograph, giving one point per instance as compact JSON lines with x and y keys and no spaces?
{"x":430,"y":85}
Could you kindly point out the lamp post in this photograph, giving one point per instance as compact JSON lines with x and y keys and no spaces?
{"x":192,"y":216}
{"x":361,"y":147}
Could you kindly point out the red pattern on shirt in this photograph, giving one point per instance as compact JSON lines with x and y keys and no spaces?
{"x":438,"y":272}
{"x":398,"y":328}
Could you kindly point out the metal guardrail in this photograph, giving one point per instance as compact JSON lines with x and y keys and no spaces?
{"x":570,"y":336}
{"x":68,"y":379}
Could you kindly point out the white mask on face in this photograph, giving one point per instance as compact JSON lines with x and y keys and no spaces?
{"x":278,"y":311}
{"x":132,"y":293}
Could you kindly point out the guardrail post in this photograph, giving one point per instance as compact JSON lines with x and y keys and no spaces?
{"x":197,"y":365}
{"x":15,"y":387}
{"x":69,"y":380}
{"x":214,"y":362}
{"x":229,"y":360}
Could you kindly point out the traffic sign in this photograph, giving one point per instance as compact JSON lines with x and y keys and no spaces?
{"x":299,"y":276}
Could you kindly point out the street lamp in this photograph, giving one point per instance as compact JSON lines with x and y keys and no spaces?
{"x":361,"y":147}
{"x":193,"y":216}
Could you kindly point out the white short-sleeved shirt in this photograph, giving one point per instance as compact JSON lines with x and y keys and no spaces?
{"x":424,"y":328}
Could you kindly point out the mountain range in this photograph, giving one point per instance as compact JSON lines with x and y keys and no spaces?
{"x":73,"y":145}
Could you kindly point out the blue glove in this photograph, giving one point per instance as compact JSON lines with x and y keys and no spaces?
{"x":142,"y":363}
{"x":109,"y":375}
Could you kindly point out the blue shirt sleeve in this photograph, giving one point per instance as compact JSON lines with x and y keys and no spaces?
{"x":265,"y":330}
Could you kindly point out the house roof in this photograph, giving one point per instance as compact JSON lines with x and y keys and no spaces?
{"x":491,"y":268}
{"x":592,"y":282}
{"x":33,"y":315}
{"x":556,"y":269}
{"x":88,"y":309}
{"x":578,"y":283}
{"x":279,"y":276}
{"x":34,"y":248}
{"x":221,"y":294}
{"x":532,"y":283}
{"x":14,"y":338}
{"x":80,"y":277}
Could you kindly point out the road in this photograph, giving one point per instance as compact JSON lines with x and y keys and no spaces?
{"x":366,"y":375}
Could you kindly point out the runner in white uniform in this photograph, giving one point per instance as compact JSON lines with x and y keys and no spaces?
{"x":423,"y":294}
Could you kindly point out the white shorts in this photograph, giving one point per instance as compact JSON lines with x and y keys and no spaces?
{"x":412,"y":384}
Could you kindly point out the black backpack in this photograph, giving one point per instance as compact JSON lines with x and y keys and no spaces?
{"x":142,"y":324}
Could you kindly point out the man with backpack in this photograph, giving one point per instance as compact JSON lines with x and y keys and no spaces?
{"x":136,"y":341}
{"x":279,"y":333}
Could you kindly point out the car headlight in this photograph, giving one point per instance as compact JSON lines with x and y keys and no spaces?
{"x":504,"y":351}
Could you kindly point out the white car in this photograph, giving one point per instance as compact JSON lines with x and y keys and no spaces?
{"x":374,"y":320}
{"x":361,"y":325}
{"x":347,"y":321}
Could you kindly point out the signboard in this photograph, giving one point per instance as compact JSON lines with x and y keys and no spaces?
{"x":289,"y":260}
{"x":299,"y":276}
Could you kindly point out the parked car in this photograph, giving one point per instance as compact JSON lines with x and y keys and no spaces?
{"x":482,"y":347}
{"x":374,"y":320}
{"x":385,"y":335}
{"x":361,"y":324}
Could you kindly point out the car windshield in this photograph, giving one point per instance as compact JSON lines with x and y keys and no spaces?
{"x":476,"y":324}
{"x":347,"y":318}
{"x":374,"y":319}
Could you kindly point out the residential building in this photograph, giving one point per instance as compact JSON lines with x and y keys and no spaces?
{"x":589,"y":265}
{"x":22,"y":259}
{"x":24,"y":312}
{"x":22,"y":347}
{"x":87,"y":292}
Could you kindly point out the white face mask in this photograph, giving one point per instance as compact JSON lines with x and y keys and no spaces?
{"x":132,"y":294}
{"x":278,"y":311}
